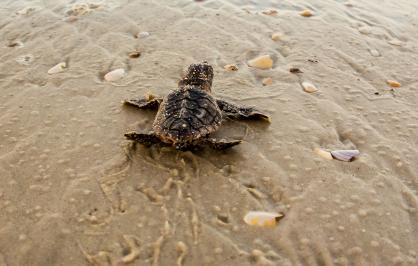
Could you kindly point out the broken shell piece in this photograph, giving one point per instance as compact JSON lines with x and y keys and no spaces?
{"x":135,"y":54}
{"x":261,"y":62}
{"x":270,"y":12}
{"x":306,"y":13}
{"x":324,"y":154}
{"x":57,"y":68}
{"x":231,"y":67}
{"x":276,"y":36}
{"x":309,"y":87}
{"x":393,"y":83}
{"x":143,"y":34}
{"x":263,"y":219}
{"x":115,"y":75}
{"x":267,"y":81}
{"x":345,"y":155}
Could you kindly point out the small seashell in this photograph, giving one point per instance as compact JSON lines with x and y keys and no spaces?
{"x":309,"y":87}
{"x":345,"y":155}
{"x":135,"y":54}
{"x":261,"y":62}
{"x":277,"y":36}
{"x":393,"y":83}
{"x":57,"y":68}
{"x":270,"y":12}
{"x":143,"y":34}
{"x":263,"y":219}
{"x":324,"y":154}
{"x":306,"y":13}
{"x":115,"y":75}
{"x":267,"y":81}
{"x":231,"y":67}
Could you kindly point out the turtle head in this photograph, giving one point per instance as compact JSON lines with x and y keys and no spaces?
{"x":200,"y":75}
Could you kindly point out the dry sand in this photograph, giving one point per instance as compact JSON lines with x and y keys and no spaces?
{"x":72,"y":193}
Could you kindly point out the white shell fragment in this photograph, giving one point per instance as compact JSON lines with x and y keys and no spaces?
{"x":309,"y":87}
{"x":143,"y":34}
{"x":345,"y":155}
{"x":323,"y":153}
{"x":115,"y":75}
{"x":60,"y":67}
{"x":263,"y":219}
{"x":261,"y":62}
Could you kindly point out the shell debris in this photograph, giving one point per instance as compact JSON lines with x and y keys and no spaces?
{"x":267,"y":81}
{"x":323,"y":153}
{"x":134,"y":54}
{"x":270,"y":12}
{"x":115,"y":75}
{"x":306,"y":13}
{"x":60,"y":67}
{"x":231,"y":67}
{"x":263,"y":219}
{"x":277,"y":36}
{"x":261,"y":62}
{"x":309,"y":87}
{"x":143,"y":34}
{"x":393,"y":83}
{"x":345,"y":155}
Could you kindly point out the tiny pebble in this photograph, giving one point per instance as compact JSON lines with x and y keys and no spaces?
{"x":267,"y":81}
{"x":231,"y":67}
{"x":277,"y":36}
{"x":306,"y":13}
{"x":309,"y":87}
{"x":261,"y":62}
{"x":134,"y":54}
{"x":393,"y":83}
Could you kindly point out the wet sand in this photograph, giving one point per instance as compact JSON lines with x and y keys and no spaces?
{"x":73,"y":193}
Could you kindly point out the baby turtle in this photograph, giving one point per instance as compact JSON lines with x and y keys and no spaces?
{"x":188,"y":115}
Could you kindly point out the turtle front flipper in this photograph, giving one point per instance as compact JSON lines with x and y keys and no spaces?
{"x":143,"y":138}
{"x":150,"y":101}
{"x":241,"y":112}
{"x":220,"y":144}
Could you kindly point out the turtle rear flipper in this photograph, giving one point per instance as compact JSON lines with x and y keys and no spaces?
{"x":148,"y":102}
{"x":220,"y":144}
{"x":241,"y":112}
{"x":143,"y":138}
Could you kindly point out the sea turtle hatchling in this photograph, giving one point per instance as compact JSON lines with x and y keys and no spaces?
{"x":188,"y":115}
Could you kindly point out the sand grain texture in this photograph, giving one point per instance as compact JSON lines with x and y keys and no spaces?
{"x":73,"y":194}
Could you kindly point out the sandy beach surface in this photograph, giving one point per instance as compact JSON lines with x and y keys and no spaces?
{"x":74,"y":192}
